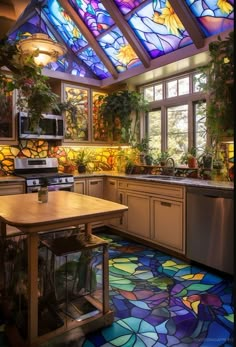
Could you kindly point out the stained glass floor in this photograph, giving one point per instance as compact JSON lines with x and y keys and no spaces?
{"x":161,"y":301}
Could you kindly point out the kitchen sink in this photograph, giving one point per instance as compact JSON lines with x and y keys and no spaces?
{"x":164,"y":178}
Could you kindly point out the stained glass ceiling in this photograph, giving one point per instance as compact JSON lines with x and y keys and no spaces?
{"x":111,"y":40}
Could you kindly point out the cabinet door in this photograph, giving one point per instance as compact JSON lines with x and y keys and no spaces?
{"x":138,"y":216}
{"x":8,"y":120}
{"x":80,"y":186}
{"x":76,"y":124}
{"x":167,"y":224}
{"x":110,"y":190}
{"x":95,"y":187}
{"x":12,"y":188}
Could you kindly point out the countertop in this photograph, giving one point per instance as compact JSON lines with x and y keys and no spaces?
{"x":145,"y":178}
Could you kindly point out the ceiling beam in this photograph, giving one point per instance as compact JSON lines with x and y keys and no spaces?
{"x":127,"y":31}
{"x":189,"y":21}
{"x":89,"y":37}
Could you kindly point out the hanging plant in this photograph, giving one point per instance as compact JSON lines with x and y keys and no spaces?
{"x":116,"y":109}
{"x":217,"y":81}
{"x":34,"y":93}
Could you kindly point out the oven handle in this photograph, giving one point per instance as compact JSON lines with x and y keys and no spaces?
{"x":67,"y":187}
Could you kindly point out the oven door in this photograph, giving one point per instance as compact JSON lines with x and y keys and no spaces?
{"x":55,"y":187}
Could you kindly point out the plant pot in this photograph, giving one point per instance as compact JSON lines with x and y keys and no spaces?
{"x":207,"y":162}
{"x":81,"y":168}
{"x":192,"y":163}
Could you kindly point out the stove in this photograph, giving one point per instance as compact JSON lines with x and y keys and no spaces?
{"x":37,"y":170}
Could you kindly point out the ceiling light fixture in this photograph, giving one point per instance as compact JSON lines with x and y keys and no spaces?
{"x":41,"y":46}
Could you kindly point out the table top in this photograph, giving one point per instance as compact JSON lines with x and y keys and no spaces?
{"x":63,"y":209}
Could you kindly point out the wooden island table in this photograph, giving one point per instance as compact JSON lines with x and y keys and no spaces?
{"x":64,"y":209}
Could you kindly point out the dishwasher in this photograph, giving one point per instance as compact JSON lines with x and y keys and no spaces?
{"x":210,"y":227}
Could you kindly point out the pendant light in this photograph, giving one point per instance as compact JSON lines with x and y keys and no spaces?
{"x":42,"y":47}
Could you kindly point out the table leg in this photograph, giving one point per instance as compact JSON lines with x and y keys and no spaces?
{"x":33,"y":286}
{"x":88,"y":231}
{"x":105,"y":267}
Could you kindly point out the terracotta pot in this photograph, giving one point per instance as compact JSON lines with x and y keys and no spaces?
{"x":192,"y":163}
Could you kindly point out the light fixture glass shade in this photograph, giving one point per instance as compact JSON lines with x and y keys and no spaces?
{"x":48,"y":50}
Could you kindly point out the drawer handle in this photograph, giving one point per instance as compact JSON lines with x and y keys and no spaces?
{"x":112,"y":183}
{"x":94,"y":182}
{"x":163,"y":203}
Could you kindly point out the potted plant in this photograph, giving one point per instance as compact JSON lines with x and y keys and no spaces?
{"x":190,"y":158}
{"x":161,"y":158}
{"x":34,"y":93}
{"x":206,"y":158}
{"x":217,"y":79}
{"x":84,"y":157}
{"x":143,"y":148}
{"x":116,"y":109}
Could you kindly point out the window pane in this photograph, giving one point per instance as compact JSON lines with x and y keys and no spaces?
{"x":158,"y":92}
{"x":177,"y":134}
{"x":200,"y":118}
{"x":154,"y":129}
{"x":171,"y":89}
{"x":199,"y":80}
{"x":183,"y":85}
{"x":148,"y":94}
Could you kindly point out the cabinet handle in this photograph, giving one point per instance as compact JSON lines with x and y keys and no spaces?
{"x":112,"y":183}
{"x":163,"y":203}
{"x":94,"y":182}
{"x":121,"y":198}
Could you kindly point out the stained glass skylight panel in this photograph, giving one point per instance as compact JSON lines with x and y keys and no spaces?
{"x":94,"y":15}
{"x":118,"y":50}
{"x":90,"y":58}
{"x":127,"y":6}
{"x":214,"y":16}
{"x":64,"y":25}
{"x":159,"y":28}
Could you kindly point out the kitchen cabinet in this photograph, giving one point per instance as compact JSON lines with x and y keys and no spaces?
{"x":8,"y":115}
{"x":90,"y":186}
{"x":167,"y":223}
{"x":111,"y":193}
{"x":156,"y":212}
{"x":12,"y":188}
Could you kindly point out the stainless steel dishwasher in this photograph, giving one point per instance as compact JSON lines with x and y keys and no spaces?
{"x":210,"y":227}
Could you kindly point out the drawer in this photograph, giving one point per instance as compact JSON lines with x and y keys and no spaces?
{"x":162,"y":189}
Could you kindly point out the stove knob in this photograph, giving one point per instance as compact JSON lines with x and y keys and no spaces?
{"x":60,"y":180}
{"x":34,"y":182}
{"x":66,"y":180}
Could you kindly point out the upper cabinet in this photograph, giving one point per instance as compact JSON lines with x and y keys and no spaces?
{"x":77,"y":115}
{"x":8,"y":133}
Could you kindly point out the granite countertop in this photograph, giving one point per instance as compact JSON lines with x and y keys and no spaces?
{"x":145,"y":178}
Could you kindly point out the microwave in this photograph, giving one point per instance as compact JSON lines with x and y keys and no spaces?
{"x":50,"y":127}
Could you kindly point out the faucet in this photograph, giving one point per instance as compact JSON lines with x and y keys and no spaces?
{"x":171,"y":160}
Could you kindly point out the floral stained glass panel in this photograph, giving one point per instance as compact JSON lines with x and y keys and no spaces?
{"x":99,"y":127}
{"x":159,"y":29}
{"x":77,"y":123}
{"x":214,"y":16}
{"x":127,"y":6}
{"x":94,"y":15}
{"x":118,"y":50}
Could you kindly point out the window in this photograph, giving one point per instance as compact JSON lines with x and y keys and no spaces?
{"x":176,"y":120}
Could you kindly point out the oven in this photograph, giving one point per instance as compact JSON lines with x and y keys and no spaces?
{"x":37,"y":170}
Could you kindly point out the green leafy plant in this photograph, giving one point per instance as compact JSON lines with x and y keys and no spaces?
{"x":34,"y":92}
{"x":217,"y":79}
{"x":116,"y":109}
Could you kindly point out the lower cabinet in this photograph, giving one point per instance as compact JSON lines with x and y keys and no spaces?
{"x":90,"y":186}
{"x":12,"y":188}
{"x":156,"y":211}
{"x":167,"y":223}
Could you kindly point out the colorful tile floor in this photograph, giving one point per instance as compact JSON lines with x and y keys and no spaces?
{"x":161,"y":301}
